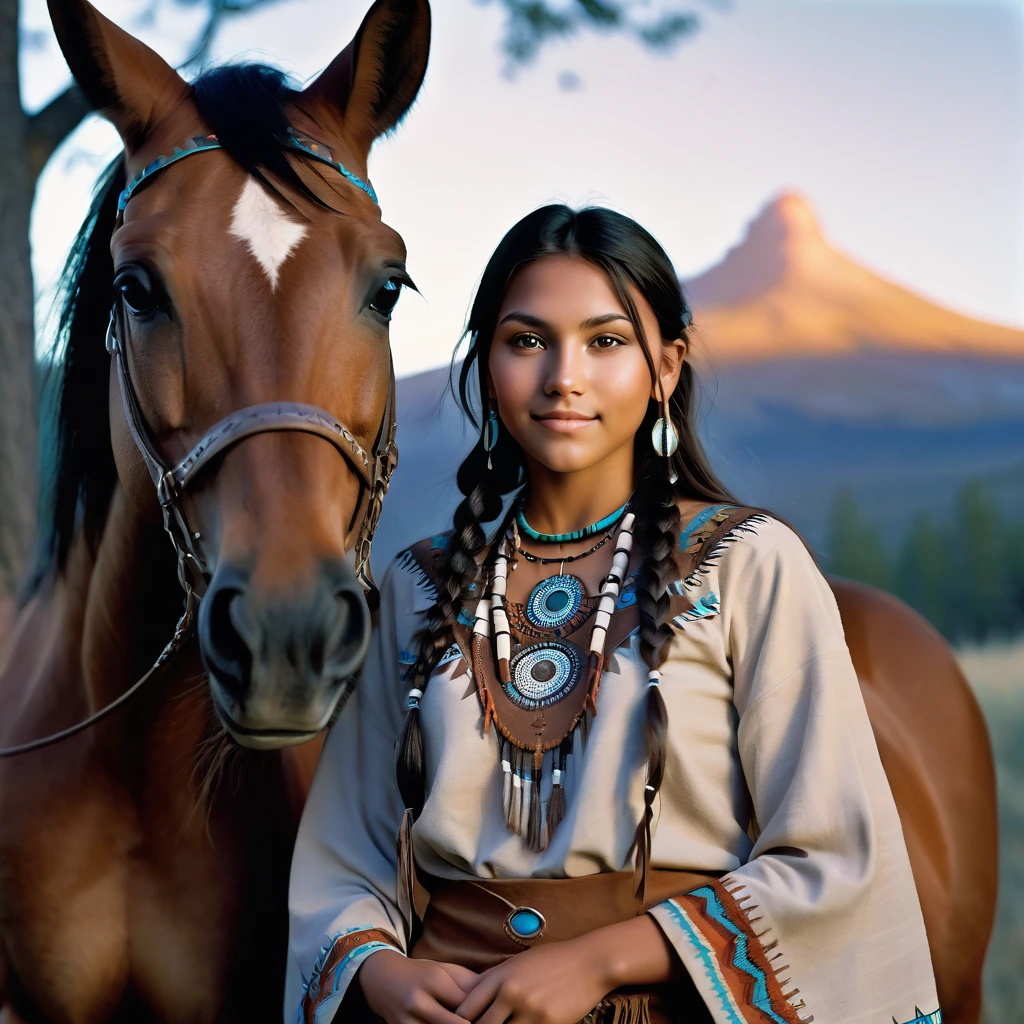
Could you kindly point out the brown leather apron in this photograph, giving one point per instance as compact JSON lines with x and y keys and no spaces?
{"x":466,"y":922}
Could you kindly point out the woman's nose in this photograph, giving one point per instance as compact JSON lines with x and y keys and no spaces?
{"x":565,"y":374}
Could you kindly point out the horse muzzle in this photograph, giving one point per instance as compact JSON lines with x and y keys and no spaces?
{"x":280,"y":663}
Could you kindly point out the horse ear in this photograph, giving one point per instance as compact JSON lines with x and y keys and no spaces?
{"x":375,"y":79}
{"x":123,"y":78}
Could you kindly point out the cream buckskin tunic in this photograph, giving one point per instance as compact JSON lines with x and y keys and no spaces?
{"x":773,"y":779}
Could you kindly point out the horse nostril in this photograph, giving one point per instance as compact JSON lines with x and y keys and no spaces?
{"x":226,"y":651}
{"x":353,"y":629}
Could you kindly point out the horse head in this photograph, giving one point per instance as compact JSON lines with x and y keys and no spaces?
{"x":251,"y":375}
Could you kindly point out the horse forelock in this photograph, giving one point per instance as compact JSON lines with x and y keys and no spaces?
{"x":246,"y":106}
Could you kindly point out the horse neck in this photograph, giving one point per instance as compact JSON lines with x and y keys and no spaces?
{"x":131,"y":604}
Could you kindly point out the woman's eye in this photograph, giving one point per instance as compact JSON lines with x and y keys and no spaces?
{"x":386,"y":298}
{"x":607,"y":341}
{"x":527,"y":341}
{"x":136,"y":290}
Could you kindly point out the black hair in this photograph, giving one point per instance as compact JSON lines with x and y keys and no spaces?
{"x":632,"y":259}
{"x":244,"y":105}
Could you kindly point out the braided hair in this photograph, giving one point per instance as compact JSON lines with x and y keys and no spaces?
{"x":632,"y":260}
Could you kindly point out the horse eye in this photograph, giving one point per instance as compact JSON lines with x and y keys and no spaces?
{"x":135,"y":287}
{"x":386,"y":298}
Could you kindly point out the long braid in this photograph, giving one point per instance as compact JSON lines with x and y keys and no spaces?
{"x":482,"y":503}
{"x":658,"y":520}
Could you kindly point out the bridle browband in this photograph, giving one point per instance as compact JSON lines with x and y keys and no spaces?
{"x":373,"y":469}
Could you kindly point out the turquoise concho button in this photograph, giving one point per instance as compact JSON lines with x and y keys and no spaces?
{"x":525,"y":924}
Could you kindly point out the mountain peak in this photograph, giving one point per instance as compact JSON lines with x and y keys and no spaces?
{"x":781,"y":240}
{"x":783,"y":290}
{"x":787,"y":223}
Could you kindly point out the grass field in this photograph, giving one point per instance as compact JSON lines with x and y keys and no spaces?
{"x":997,"y":674}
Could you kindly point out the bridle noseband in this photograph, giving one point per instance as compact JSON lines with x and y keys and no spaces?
{"x":373,"y":469}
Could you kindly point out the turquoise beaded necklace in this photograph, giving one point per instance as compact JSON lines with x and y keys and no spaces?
{"x":564,"y":538}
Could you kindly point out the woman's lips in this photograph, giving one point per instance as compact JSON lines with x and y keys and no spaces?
{"x":564,"y":422}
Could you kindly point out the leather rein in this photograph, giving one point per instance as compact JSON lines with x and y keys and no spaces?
{"x":373,"y":469}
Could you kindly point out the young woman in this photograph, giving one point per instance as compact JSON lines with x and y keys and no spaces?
{"x":635,"y":772}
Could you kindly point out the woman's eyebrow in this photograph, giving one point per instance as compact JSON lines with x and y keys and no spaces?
{"x":525,"y":318}
{"x":535,"y":321}
{"x":604,"y":318}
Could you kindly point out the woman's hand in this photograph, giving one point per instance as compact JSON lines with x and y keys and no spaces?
{"x":554,"y":984}
{"x":407,"y":991}
{"x":562,"y":982}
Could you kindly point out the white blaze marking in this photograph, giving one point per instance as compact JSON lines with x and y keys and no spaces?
{"x":260,"y":221}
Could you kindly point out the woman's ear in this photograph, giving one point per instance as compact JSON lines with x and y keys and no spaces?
{"x":374,"y":80}
{"x":673,"y":355}
{"x":123,"y":78}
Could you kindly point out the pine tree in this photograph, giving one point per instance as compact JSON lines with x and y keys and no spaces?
{"x":922,"y":577}
{"x":855,"y":548}
{"x":981,"y":603}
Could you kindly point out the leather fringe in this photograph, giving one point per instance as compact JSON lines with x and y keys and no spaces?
{"x":595,"y":665}
{"x":622,"y":1009}
{"x":534,"y":833}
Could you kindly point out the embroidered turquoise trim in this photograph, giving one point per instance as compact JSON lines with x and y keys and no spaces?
{"x":761,"y":999}
{"x":315,"y":985}
{"x":706,"y":606}
{"x":923,"y":1018}
{"x":708,"y":960}
{"x":697,"y":522}
{"x":450,"y":655}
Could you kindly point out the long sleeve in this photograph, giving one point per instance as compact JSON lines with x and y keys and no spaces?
{"x":342,"y":895}
{"x":822,"y":919}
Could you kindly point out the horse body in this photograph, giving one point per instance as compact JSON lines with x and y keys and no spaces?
{"x":937,"y":756}
{"x":136,"y":884}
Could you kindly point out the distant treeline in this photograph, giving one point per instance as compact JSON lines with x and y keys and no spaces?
{"x":963,"y":572}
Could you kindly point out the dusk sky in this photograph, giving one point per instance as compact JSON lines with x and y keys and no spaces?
{"x":902,"y":123}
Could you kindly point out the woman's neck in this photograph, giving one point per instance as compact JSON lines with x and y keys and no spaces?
{"x":564,"y":502}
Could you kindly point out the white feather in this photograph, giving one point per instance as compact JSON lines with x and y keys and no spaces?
{"x":260,"y":221}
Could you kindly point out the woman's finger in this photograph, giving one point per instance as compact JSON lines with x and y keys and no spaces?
{"x":480,"y":998}
{"x":498,"y":1013}
{"x":462,"y":976}
{"x":434,"y":1013}
{"x":443,"y":987}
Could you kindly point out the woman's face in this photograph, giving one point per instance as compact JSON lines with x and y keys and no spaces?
{"x":566,"y":368}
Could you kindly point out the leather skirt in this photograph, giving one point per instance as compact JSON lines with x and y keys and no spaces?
{"x":481,"y":922}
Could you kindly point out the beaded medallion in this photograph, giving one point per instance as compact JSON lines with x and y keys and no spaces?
{"x":554,"y":601}
{"x":543,"y":674}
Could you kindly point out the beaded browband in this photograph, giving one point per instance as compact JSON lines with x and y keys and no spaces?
{"x":201,"y":143}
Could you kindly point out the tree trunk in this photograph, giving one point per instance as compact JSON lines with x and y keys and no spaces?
{"x":18,"y":405}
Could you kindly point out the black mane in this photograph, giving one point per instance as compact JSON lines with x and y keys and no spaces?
{"x":244,"y":106}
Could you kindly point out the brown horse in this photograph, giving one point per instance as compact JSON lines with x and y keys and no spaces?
{"x":144,"y":862}
{"x":937,"y":756}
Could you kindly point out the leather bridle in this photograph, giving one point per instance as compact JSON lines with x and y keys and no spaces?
{"x":171,"y":482}
{"x":373,"y":469}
